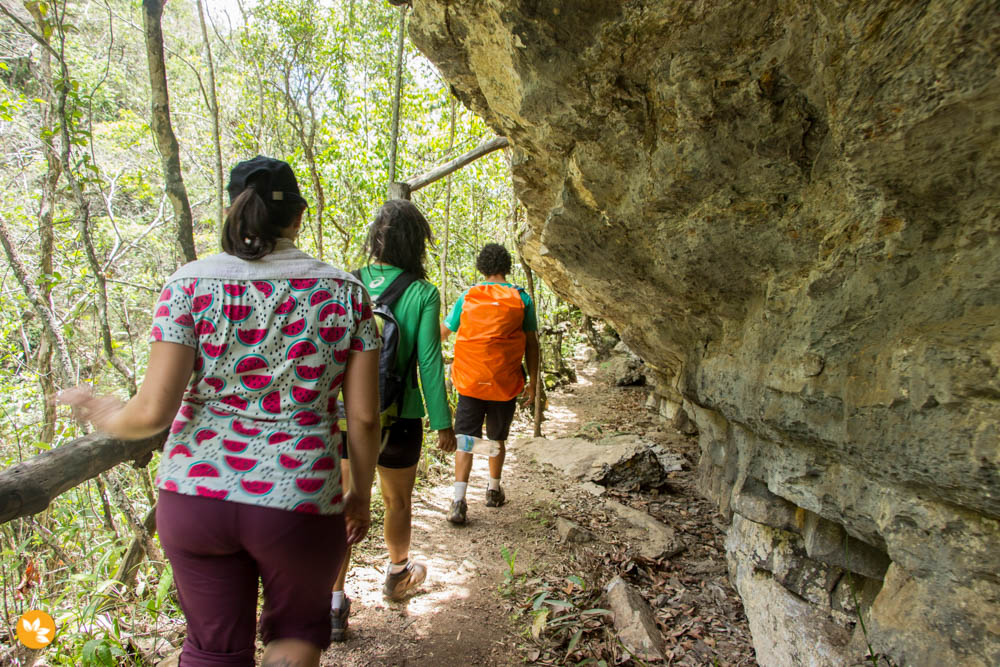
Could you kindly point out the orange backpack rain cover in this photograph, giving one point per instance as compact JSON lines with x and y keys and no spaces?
{"x":490,"y":344}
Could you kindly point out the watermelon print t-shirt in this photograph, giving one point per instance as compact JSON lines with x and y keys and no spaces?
{"x":257,"y":422}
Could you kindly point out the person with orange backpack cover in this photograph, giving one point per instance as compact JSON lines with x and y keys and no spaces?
{"x":497,"y":328}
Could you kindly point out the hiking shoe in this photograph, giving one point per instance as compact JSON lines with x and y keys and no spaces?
{"x":399,"y":584}
{"x":338,"y":621}
{"x":495,"y":497}
{"x":458,"y":510}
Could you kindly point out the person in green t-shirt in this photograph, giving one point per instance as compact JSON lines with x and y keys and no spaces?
{"x":396,"y":243}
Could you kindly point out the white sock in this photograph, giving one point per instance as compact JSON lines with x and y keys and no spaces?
{"x":337,"y":602}
{"x":494,"y":484}
{"x":460,"y":488}
{"x":396,"y":568}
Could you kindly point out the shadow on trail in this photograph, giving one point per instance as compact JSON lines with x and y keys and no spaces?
{"x":455,"y":617}
{"x":458,"y":617}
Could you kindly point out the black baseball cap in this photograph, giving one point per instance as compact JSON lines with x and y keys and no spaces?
{"x":273,"y":179}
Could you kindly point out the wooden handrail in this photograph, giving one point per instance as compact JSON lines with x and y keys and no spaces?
{"x":403,"y":189}
{"x":28,"y":487}
{"x":437,"y":173}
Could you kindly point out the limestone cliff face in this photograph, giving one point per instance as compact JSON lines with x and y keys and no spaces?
{"x":790,"y":210}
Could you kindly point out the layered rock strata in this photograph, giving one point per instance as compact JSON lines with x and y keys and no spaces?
{"x":789,"y":210}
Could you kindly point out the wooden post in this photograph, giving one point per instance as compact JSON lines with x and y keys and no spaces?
{"x":399,"y":191}
{"x":540,"y":380}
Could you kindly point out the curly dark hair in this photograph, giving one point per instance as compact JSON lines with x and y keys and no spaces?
{"x":399,"y":236}
{"x":493,"y":259}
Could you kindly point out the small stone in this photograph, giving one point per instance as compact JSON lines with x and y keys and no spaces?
{"x":173,"y":660}
{"x":572,"y":532}
{"x":622,"y":348}
{"x":635,"y":464}
{"x":634,"y":621}
{"x":653,"y":539}
{"x":593,"y":489}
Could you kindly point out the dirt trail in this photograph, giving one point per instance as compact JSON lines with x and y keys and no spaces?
{"x":460,"y":617}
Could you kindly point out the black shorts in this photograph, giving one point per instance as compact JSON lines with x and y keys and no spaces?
{"x":470,"y":412}
{"x":402,"y":447}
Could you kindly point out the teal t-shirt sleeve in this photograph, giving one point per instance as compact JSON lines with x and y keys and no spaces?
{"x":530,"y":321}
{"x":455,"y":316}
{"x":431,"y":362}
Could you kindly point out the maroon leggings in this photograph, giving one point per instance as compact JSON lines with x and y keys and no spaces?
{"x":219,"y":549}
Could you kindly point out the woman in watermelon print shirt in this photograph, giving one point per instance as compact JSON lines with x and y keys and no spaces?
{"x":249,"y":352}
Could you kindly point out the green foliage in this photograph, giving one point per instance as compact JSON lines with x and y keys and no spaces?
{"x":101,"y":652}
{"x":563,"y":621}
{"x":509,"y":577}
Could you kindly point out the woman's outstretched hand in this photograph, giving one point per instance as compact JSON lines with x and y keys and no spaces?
{"x":88,"y":407}
{"x":357,"y":516}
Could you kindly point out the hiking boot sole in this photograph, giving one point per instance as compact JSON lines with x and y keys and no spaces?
{"x":405,"y":585}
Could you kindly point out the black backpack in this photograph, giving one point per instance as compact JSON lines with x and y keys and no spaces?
{"x":391,"y":385}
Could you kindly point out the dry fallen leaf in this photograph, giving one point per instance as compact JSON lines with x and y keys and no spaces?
{"x":539,"y":623}
{"x":30,"y":578}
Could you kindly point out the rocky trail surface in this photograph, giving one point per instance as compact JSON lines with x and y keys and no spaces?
{"x":525,"y":583}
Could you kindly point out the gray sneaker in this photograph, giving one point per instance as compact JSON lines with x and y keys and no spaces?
{"x":495,"y":497}
{"x":338,"y":621}
{"x":458,"y":510}
{"x":399,"y":584}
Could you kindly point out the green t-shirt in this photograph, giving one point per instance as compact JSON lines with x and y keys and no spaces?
{"x":418,"y":312}
{"x":530,"y":322}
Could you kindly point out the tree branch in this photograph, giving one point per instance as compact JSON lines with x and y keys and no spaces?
{"x":26,"y":28}
{"x":51,"y":327}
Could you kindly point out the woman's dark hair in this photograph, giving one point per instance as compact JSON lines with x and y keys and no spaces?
{"x":265,"y":200}
{"x":399,"y":236}
{"x":493,"y":259}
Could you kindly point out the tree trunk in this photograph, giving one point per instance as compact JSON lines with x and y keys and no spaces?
{"x":305,"y":128}
{"x":83,"y":209}
{"x":46,"y":233}
{"x":317,"y":189}
{"x":141,"y":531}
{"x":596,"y":340}
{"x":163,"y":131}
{"x":447,"y":216}
{"x":394,"y":139}
{"x":142,"y":546}
{"x":102,"y":493}
{"x":213,"y":107}
{"x":49,"y":324}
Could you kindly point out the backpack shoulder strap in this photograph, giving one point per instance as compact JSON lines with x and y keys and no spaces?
{"x":388,"y":298}
{"x":391,"y":294}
